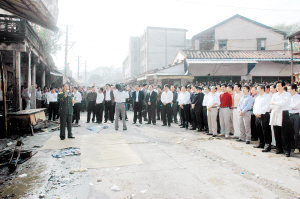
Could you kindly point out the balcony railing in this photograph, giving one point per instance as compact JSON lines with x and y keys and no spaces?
{"x":15,"y":30}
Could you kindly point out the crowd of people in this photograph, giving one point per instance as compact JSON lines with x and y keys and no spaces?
{"x":247,"y":112}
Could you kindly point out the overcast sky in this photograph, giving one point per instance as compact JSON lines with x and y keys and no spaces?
{"x":101,"y":29}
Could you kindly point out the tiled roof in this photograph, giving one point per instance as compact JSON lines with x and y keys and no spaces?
{"x":196,"y":54}
{"x":237,"y":16}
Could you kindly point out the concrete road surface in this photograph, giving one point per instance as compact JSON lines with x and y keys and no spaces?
{"x":177,"y":163}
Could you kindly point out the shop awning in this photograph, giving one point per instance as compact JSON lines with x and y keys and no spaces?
{"x":203,"y":61}
{"x":57,"y":74}
{"x":41,"y":12}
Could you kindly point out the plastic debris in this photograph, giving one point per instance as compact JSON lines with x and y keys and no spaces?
{"x":99,"y":180}
{"x":242,"y":173}
{"x":248,"y":153}
{"x":115,"y":188}
{"x":69,"y":152}
{"x":97,"y":128}
{"x":279,"y":181}
{"x":105,"y":127}
{"x":42,"y":196}
{"x":144,"y":191}
{"x":91,"y":184}
{"x":23,"y":175}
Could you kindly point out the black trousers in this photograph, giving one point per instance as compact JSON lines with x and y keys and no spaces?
{"x":204,"y":117}
{"x":199,"y":118}
{"x":166,"y":113}
{"x":52,"y":110}
{"x":137,"y":112}
{"x":193,"y":118}
{"x":152,"y":114}
{"x":99,"y":112}
{"x":113,"y":112}
{"x":174,"y":112}
{"x":109,"y":112}
{"x":294,"y":124}
{"x":283,"y":134}
{"x":264,"y":129}
{"x":180,"y":115}
{"x":254,"y":134}
{"x":145,"y":111}
{"x":76,"y":112}
{"x":218,"y":122}
{"x":185,"y":112}
{"x":91,"y":109}
{"x":65,"y":119}
{"x":158,"y":110}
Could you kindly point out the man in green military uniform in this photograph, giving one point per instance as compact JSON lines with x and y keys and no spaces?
{"x":65,"y":100}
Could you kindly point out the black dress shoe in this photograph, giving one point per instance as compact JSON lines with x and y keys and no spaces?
{"x":209,"y":134}
{"x":132,"y":123}
{"x":259,"y":146}
{"x":239,"y":140}
{"x":72,"y":137}
{"x":253,"y":139}
{"x":266,"y":150}
{"x":164,"y":125}
{"x":116,"y":129}
{"x":124,"y":129}
{"x":273,"y":147}
{"x":182,"y":127}
{"x":141,"y":122}
{"x":279,"y":152}
{"x":247,"y":142}
{"x":287,"y":154}
{"x":62,"y":138}
{"x":169,"y":125}
{"x":214,"y":136}
{"x":147,"y":123}
{"x":193,"y":129}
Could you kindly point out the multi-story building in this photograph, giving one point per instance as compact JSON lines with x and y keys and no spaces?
{"x":154,"y":49}
{"x":239,"y":33}
{"x":131,"y":64}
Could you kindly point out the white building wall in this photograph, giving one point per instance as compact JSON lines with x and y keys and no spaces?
{"x":242,"y":35}
{"x":273,"y":69}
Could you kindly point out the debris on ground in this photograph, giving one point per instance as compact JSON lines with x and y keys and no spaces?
{"x":99,"y":180}
{"x":69,"y":152}
{"x":42,"y":196}
{"x":144,"y":191}
{"x":97,"y":128}
{"x":115,"y":188}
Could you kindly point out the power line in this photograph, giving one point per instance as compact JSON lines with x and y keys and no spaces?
{"x":230,"y":6}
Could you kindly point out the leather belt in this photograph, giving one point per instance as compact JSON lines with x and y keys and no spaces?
{"x":224,"y":107}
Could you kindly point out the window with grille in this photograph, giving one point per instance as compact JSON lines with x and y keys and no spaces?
{"x":222,"y":45}
{"x":261,"y":44}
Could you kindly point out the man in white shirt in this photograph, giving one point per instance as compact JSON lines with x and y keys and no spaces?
{"x":52,"y":104}
{"x":99,"y":106}
{"x":166,"y":99}
{"x":77,"y":105}
{"x":38,"y":98}
{"x":120,"y":99}
{"x":294,"y":116}
{"x":185,"y":105}
{"x":212,"y":110}
{"x":179,"y":108}
{"x":280,"y":105}
{"x":109,"y":102}
{"x":236,"y":99}
{"x":261,"y":110}
{"x":207,"y":95}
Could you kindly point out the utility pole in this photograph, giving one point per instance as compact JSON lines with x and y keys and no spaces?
{"x":85,"y":75}
{"x":66,"y":51}
{"x":78,"y":67}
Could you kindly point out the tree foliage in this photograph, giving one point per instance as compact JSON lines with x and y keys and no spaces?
{"x":50,"y":39}
{"x":105,"y":74}
{"x":288,"y":29}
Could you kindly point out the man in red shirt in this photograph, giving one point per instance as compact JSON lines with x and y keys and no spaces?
{"x":225,"y":105}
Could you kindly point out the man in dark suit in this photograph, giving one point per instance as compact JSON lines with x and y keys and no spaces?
{"x":109,"y":101}
{"x":151,"y":99}
{"x":137,"y":103}
{"x":197,"y":107}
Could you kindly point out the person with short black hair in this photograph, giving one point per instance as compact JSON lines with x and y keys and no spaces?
{"x":151,"y":99}
{"x":91,"y":99}
{"x":174,"y":104}
{"x":244,"y":108}
{"x":224,"y":113}
{"x":99,"y":106}
{"x":280,"y":105}
{"x":52,"y":104}
{"x":166,"y":99}
{"x":120,"y":99}
{"x":261,"y":110}
{"x":294,"y":117}
{"x":137,"y":103}
{"x":159,"y":103}
{"x":109,"y":102}
{"x":77,"y":105}
{"x":212,"y":109}
{"x":185,"y":103}
{"x":197,"y":106}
